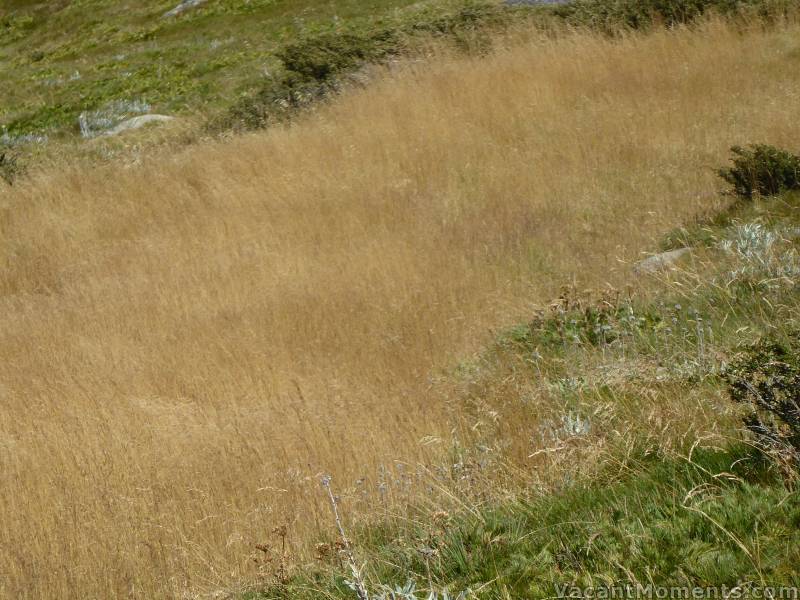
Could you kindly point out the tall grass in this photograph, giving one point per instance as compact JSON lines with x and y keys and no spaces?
{"x":188,"y":343}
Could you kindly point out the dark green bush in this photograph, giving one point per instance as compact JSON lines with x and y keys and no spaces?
{"x":471,"y":17}
{"x":275,"y":101}
{"x":763,"y":170}
{"x":321,"y":57}
{"x":766,"y":378}
{"x":9,"y":167}
{"x":610,"y":15}
{"x":310,"y":71}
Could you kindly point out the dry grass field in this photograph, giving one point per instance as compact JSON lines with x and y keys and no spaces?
{"x":186,"y":344}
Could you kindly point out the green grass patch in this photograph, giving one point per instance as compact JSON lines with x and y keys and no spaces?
{"x":247,"y":63}
{"x":64,"y":58}
{"x":717,"y":518}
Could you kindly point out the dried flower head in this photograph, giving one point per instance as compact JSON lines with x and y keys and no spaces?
{"x":440,"y":517}
{"x":322,"y":551}
{"x":264,"y":548}
{"x":280,"y":530}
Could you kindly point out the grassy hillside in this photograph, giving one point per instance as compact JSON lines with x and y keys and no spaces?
{"x":61,"y":58}
{"x":107,"y":60}
{"x":189,"y":343}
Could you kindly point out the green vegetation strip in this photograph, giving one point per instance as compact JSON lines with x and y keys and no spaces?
{"x":247,"y":63}
{"x":717,"y":518}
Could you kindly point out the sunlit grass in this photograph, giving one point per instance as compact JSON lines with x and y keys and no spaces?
{"x":187,"y":344}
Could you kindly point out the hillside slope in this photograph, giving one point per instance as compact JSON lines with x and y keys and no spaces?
{"x":58,"y":59}
{"x":619,"y":410}
{"x":187,"y":344}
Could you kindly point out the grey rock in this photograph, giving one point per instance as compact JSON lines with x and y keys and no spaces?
{"x":137,"y":122}
{"x":182,"y":8}
{"x":534,"y":2}
{"x":98,"y":122}
{"x":660,"y":262}
{"x":11,"y":141}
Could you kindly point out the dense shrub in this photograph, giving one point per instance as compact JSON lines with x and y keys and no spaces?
{"x":766,"y":378}
{"x":470,"y":17}
{"x":310,"y":71}
{"x":320,"y":57}
{"x":276,"y":100}
{"x":9,"y":167}
{"x":610,"y":15}
{"x":763,"y":170}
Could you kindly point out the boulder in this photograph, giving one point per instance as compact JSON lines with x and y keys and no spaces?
{"x":660,"y":262}
{"x":137,"y":122}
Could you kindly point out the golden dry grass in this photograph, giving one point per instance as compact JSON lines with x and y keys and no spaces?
{"x":185,"y":345}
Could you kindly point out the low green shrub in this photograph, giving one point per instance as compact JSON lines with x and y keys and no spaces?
{"x":584,"y":320}
{"x":472,"y":16}
{"x":10,"y":167}
{"x":320,"y":57}
{"x":766,"y":378}
{"x":275,"y":101}
{"x":762,"y":170}
{"x":15,"y":27}
{"x":610,"y":16}
{"x":311,"y":69}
